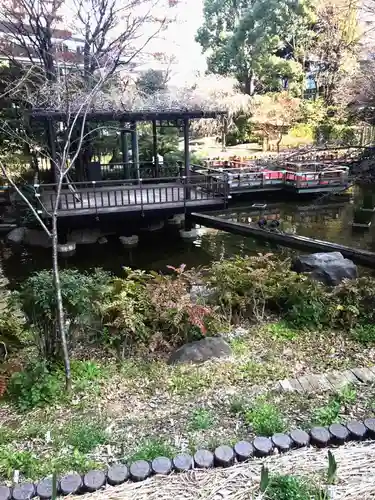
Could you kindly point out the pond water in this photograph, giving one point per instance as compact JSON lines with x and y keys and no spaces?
{"x":157,"y":250}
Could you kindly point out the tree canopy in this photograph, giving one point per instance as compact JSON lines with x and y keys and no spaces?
{"x":262,"y":42}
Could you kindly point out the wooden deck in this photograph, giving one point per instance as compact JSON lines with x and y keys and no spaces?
{"x":130,"y":198}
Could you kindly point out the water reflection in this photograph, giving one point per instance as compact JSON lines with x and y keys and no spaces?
{"x":159,"y":249}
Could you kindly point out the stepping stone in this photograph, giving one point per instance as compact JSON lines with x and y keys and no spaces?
{"x":183,"y":462}
{"x":320,"y":436}
{"x":162,"y":466}
{"x":71,"y":484}
{"x":314,"y":382}
{"x":339,"y":433}
{"x":300,"y":438}
{"x":263,"y":446}
{"x":286,"y":386}
{"x":372,"y":369}
{"x":363,"y":374}
{"x":24,"y":491}
{"x":44,"y":489}
{"x":305,"y":384}
{"x":5,"y":493}
{"x":244,"y":450}
{"x":282,"y":441}
{"x":296,"y":385}
{"x":140,"y":470}
{"x":94,"y":480}
{"x":336,"y":379}
{"x":117,"y":474}
{"x":203,"y":459}
{"x":357,"y":430}
{"x":325,"y":383}
{"x":351,"y":377}
{"x":370,"y":426}
{"x":224,"y":456}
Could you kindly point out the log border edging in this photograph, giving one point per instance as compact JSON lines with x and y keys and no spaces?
{"x":222,"y":456}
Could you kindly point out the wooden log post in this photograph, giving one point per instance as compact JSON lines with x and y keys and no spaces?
{"x":140,"y":470}
{"x":183,"y":462}
{"x":125,"y":150}
{"x":203,"y":459}
{"x":135,"y":150}
{"x":155,"y":149}
{"x":162,"y":466}
{"x":117,"y":474}
{"x":24,"y":491}
{"x":244,"y":451}
{"x":187,"y":159}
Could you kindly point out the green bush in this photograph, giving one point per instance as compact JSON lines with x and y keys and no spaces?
{"x":256,"y":285}
{"x":35,"y":386}
{"x":126,"y":311}
{"x":80,"y":294}
{"x":265,"y":419}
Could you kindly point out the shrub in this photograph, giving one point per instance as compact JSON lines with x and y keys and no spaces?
{"x":11,"y":331}
{"x":354,"y":301}
{"x":126,"y":311}
{"x":176,"y":315}
{"x":264,"y":419}
{"x":80,"y":293}
{"x":35,"y":386}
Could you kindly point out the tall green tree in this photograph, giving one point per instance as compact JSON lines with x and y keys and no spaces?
{"x":262,"y":42}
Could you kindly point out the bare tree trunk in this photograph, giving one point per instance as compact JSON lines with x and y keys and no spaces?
{"x":224,"y":132}
{"x":279,"y":141}
{"x":60,"y":307}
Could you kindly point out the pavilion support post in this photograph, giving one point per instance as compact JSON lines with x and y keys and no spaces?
{"x":135,"y":150}
{"x":155,"y":148}
{"x":187,"y":159}
{"x":51,"y":136}
{"x":125,"y":151}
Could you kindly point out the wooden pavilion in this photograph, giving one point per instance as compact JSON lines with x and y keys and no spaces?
{"x":132,"y":186}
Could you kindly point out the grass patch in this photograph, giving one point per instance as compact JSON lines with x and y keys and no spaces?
{"x":330,"y":412}
{"x":239,"y":346}
{"x":265,"y":419}
{"x":281,"y":331}
{"x":238,"y":405}
{"x":364,"y":334}
{"x":152,"y":448}
{"x":85,"y":436}
{"x":201,"y":419}
{"x":189,"y":380}
{"x":258,"y":372}
{"x":292,"y":488}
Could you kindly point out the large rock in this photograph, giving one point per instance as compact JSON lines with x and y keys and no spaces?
{"x":84,"y":236}
{"x":200,"y":351}
{"x":16,"y":235}
{"x":328,"y":268}
{"x":37,"y":238}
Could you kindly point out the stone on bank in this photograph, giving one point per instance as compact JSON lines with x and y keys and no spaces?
{"x":329,"y":268}
{"x":200,"y":351}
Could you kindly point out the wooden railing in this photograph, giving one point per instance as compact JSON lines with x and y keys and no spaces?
{"x":100,"y":196}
